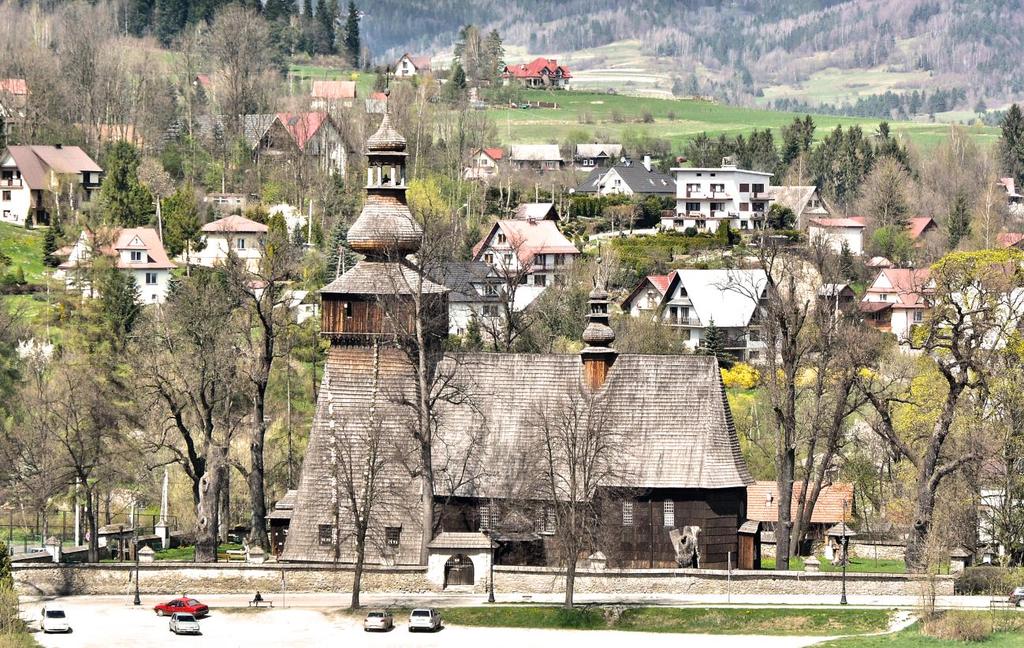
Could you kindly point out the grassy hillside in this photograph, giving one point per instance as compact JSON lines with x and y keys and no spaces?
{"x":25,"y":247}
{"x":675,"y":119}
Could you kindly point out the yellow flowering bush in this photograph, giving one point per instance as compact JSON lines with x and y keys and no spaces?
{"x":741,"y":376}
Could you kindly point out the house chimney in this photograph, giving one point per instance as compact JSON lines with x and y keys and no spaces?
{"x":598,"y":356}
{"x":647,"y":162}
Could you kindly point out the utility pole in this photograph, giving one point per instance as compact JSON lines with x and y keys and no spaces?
{"x":842,"y":599}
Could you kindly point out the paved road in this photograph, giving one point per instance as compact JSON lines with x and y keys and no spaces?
{"x":99,"y":622}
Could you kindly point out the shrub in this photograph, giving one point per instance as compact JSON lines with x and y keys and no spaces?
{"x":647,"y":117}
{"x":986,"y":579}
{"x":618,"y":117}
{"x":741,"y":376}
{"x":958,"y":626}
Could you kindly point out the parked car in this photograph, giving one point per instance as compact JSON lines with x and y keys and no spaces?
{"x":424,"y":619}
{"x":1017,"y":596}
{"x":54,"y":619}
{"x":183,"y":623}
{"x":379,"y":620}
{"x":183,"y":604}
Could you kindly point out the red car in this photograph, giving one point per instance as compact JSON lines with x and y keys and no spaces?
{"x":183,"y":604}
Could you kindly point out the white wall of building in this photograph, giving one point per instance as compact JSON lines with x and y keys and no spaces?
{"x":834,"y":237}
{"x":707,"y":197}
{"x":247,"y":246}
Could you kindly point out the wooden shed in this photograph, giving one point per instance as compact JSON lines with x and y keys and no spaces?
{"x":750,"y":545}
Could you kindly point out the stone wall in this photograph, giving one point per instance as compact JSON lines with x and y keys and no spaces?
{"x":178,"y":578}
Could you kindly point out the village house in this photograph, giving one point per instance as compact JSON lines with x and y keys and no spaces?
{"x":897,"y":300}
{"x":597,"y":155}
{"x":410,"y":66}
{"x":473,"y":294}
{"x":313,"y":134}
{"x":231,"y":234}
{"x":628,"y":179}
{"x":33,"y":177}
{"x":533,"y":254}
{"x":227,"y":203}
{"x":694,"y":300}
{"x":484,"y":163}
{"x":539,"y":73}
{"x":805,"y":201}
{"x":709,"y":197}
{"x":331,"y":95}
{"x":535,"y":157}
{"x":135,"y":250}
{"x":835,"y":504}
{"x":1014,"y":200}
{"x":919,"y":227}
{"x":837,"y":233}
{"x":1010,"y":239}
{"x":536,"y":212}
{"x":13,"y":103}
{"x":681,"y":478}
{"x":376,"y":103}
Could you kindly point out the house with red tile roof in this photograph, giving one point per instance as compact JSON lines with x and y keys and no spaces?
{"x":647,"y":295}
{"x":484,"y":163}
{"x":541,"y":72}
{"x":137,"y":251}
{"x":897,"y":300}
{"x":313,"y":134}
{"x":763,"y":505}
{"x":919,"y":227}
{"x":409,"y":66}
{"x":33,"y":177}
{"x":328,"y":95}
{"x":532,"y":253}
{"x":234,"y":234}
{"x":13,"y":101}
{"x":1010,"y":239}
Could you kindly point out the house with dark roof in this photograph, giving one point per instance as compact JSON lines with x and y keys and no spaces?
{"x":33,"y":177}
{"x":136,"y":251}
{"x":681,"y":474}
{"x":541,"y":72}
{"x":628,"y":179}
{"x":596,"y":155}
{"x":409,"y":66}
{"x":805,"y":201}
{"x":473,"y":293}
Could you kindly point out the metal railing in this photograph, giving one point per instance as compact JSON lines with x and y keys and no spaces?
{"x":12,"y":183}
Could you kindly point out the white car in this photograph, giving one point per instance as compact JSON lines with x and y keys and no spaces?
{"x":380,"y":620}
{"x":424,"y":619}
{"x":54,"y":619}
{"x":183,"y":623}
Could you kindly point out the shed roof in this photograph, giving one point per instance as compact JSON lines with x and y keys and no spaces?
{"x":333,"y":90}
{"x":763,"y":504}
{"x":452,"y":540}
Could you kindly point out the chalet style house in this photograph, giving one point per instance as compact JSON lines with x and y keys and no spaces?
{"x":805,"y":201}
{"x":596,"y":155}
{"x":409,"y":66}
{"x":629,"y":179}
{"x":690,"y":301}
{"x":135,"y":250}
{"x":33,"y":177}
{"x":709,"y":197}
{"x":681,"y":469}
{"x":231,"y":234}
{"x":897,"y":300}
{"x":539,"y":73}
{"x":535,"y":157}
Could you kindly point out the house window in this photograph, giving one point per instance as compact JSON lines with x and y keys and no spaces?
{"x":136,"y":255}
{"x":540,"y":280}
{"x":489,"y":258}
{"x":506,"y":259}
{"x":240,"y":244}
{"x":627,"y":514}
{"x":347,"y":308}
{"x":884,"y":297}
{"x":758,"y":188}
{"x":918,"y":316}
{"x":501,"y":239}
{"x":7,"y":196}
{"x":325,"y":535}
{"x":693,"y":206}
{"x":744,"y":206}
{"x":150,"y":278}
{"x":670,"y":513}
{"x":490,"y":310}
{"x":549,"y":519}
{"x":485,"y":517}
{"x":392,"y":536}
{"x":744,"y":187}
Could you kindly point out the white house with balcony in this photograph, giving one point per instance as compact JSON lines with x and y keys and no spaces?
{"x":708,"y":197}
{"x":32,"y":178}
{"x":526,"y":255}
{"x":897,"y":300}
{"x":691,"y":300}
{"x":137,"y":251}
{"x":237,"y":234}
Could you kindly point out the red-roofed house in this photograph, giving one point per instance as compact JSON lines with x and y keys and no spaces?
{"x":32,"y":177}
{"x":539,"y":73}
{"x":897,"y":300}
{"x":136,"y":250}
{"x":13,"y":101}
{"x":377,"y":103}
{"x":310,"y":133}
{"x":484,"y":163}
{"x":647,"y":296}
{"x":837,"y":233}
{"x":919,"y":227}
{"x":231,"y":234}
{"x":533,"y":251}
{"x":1010,"y":239}
{"x":1014,"y":200}
{"x":331,"y":94}
{"x":763,"y":505}
{"x":410,"y":66}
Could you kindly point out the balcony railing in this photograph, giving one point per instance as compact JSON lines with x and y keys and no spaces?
{"x":12,"y":183}
{"x":688,"y":322}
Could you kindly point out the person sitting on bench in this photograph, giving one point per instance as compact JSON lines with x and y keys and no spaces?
{"x":256,"y":600}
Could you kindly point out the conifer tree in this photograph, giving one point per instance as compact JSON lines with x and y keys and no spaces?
{"x":339,"y":257}
{"x":49,"y":247}
{"x":1011,"y":143}
{"x":326,"y":14}
{"x":127,"y":202}
{"x":713,"y":344}
{"x":959,"y":222}
{"x":352,"y":45}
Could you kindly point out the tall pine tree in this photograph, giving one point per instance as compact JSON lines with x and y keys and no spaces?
{"x":352,"y":46}
{"x":326,"y":15}
{"x":127,"y":201}
{"x":959,"y":221}
{"x":1011,"y":143}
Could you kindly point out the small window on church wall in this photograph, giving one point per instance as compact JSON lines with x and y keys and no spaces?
{"x":670,"y":513}
{"x":347,"y":306}
{"x":326,"y":535}
{"x":627,"y":514}
{"x":485,"y":517}
{"x":392,"y":536}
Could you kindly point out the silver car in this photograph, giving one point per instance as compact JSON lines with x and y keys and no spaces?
{"x":379,"y":620}
{"x":424,"y":619}
{"x":183,"y":623}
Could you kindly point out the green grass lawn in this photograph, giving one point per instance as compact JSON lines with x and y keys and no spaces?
{"x":25,"y":247}
{"x":725,"y":621}
{"x":188,"y":553}
{"x":1003,"y":630}
{"x":856,"y":566}
{"x":677,"y":120}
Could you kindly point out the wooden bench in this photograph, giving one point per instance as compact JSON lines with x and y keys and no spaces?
{"x":235,"y":555}
{"x":256,"y":604}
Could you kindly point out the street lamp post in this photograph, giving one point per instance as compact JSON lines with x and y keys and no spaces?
{"x":138,"y":599}
{"x":490,"y":587}
{"x":842,"y":599}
